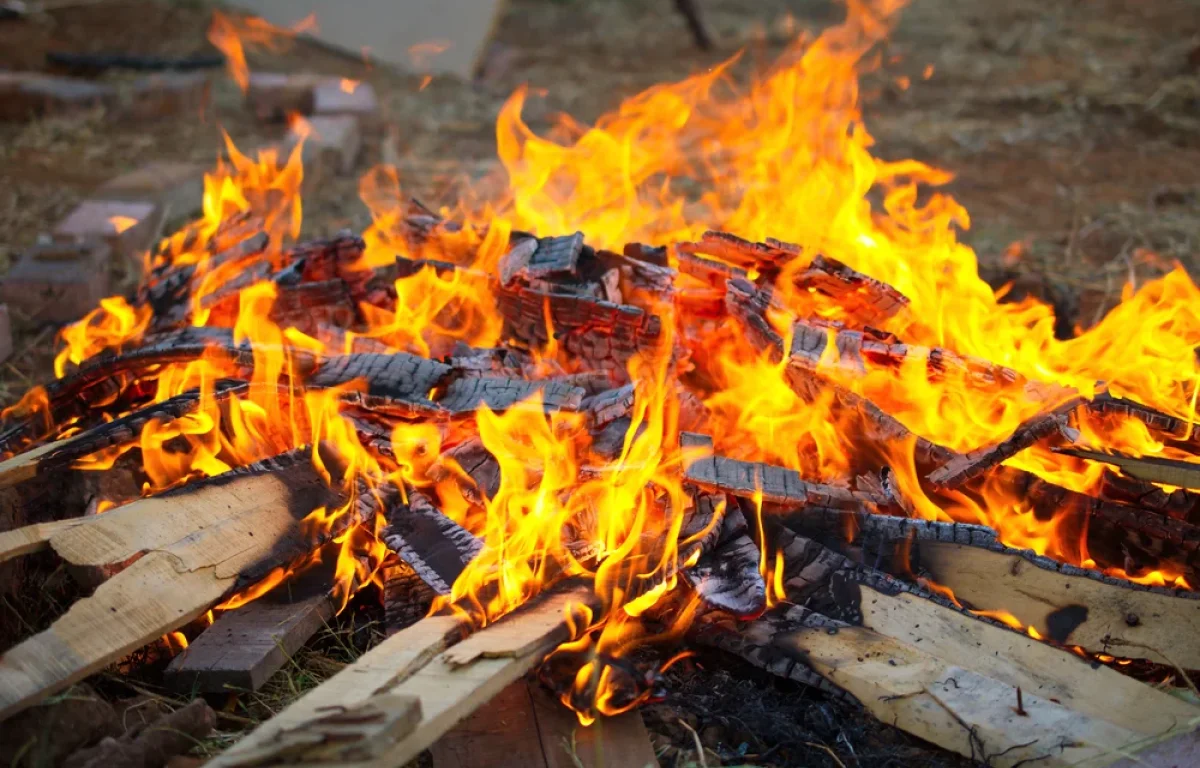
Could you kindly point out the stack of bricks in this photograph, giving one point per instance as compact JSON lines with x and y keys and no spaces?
{"x":26,"y":95}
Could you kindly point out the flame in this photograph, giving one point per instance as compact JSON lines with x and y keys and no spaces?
{"x":347,"y":85}
{"x":423,"y":53}
{"x":786,"y":156}
{"x":121,"y":223}
{"x":234,"y":36}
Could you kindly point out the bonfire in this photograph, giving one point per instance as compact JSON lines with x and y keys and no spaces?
{"x":608,"y":415}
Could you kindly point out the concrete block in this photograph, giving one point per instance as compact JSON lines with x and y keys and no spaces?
{"x":348,"y":98}
{"x":272,"y":95}
{"x":126,"y":226}
{"x":168,"y":94}
{"x":332,"y":145}
{"x":177,"y":186}
{"x":24,"y":95}
{"x":58,"y":282}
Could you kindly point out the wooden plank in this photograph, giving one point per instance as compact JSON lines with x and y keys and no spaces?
{"x":1018,"y":660}
{"x":610,"y":741}
{"x":24,"y":466}
{"x":504,"y":734}
{"x":245,"y":647}
{"x":161,"y":591}
{"x":411,"y":663}
{"x":953,"y":707}
{"x":1072,"y":610}
{"x":525,"y":725}
{"x":157,"y":521}
{"x":1151,"y":469}
{"x":384,"y":666}
{"x":32,"y":538}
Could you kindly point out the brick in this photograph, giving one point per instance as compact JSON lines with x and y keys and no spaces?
{"x":168,"y":94}
{"x":272,"y":95}
{"x":332,"y":146}
{"x":331,"y":98}
{"x":31,"y":94}
{"x":177,"y":186}
{"x":58,"y":282}
{"x":93,"y":220}
{"x":6,"y":341}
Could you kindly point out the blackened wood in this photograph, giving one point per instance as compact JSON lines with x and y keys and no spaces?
{"x":474,"y":466}
{"x":244,"y":647}
{"x":608,"y":406}
{"x":408,"y":385}
{"x":728,"y":577}
{"x":436,"y":547}
{"x":749,"y":304}
{"x":600,"y":332}
{"x":1117,"y":535}
{"x":754,"y":641}
{"x":1175,"y":428}
{"x":1179,"y":503}
{"x":406,"y":597}
{"x":545,"y":258}
{"x":120,"y":431}
{"x":778,"y":485}
{"x":966,"y":466}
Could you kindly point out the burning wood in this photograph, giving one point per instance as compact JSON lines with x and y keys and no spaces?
{"x":815,"y":457}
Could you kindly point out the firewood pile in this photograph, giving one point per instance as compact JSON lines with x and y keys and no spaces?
{"x":266,"y":419}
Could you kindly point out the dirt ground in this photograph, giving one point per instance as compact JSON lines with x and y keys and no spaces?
{"x":1073,"y":128}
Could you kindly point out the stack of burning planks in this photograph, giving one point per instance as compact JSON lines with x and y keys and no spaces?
{"x":857,"y":602}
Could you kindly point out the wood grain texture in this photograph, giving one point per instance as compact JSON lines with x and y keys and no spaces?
{"x":1018,"y":660}
{"x":954,"y":707}
{"x":33,"y":538}
{"x":607,"y":743}
{"x":1072,"y":610}
{"x":411,"y":663}
{"x":161,"y":591}
{"x":244,"y":647}
{"x":504,"y":734}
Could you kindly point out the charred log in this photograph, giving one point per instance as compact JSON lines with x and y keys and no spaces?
{"x":435,"y":546}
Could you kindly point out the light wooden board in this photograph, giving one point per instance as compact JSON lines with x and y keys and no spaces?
{"x":954,"y":707}
{"x":24,"y":466}
{"x":411,"y":663}
{"x":1020,"y":661}
{"x":1074,"y":610}
{"x":161,"y":591}
{"x":33,"y":538}
{"x":157,"y":521}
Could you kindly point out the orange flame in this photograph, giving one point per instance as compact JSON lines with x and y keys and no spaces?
{"x":233,"y":36}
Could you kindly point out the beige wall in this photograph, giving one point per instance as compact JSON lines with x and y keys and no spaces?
{"x":391,"y":27}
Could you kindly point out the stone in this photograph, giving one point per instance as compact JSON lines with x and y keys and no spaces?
{"x":6,"y":341}
{"x":126,"y":226}
{"x":347,"y":97}
{"x":24,"y":95}
{"x":331,"y":144}
{"x":58,"y":282}
{"x":177,"y":187}
{"x":272,"y":95}
{"x":168,"y":94}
